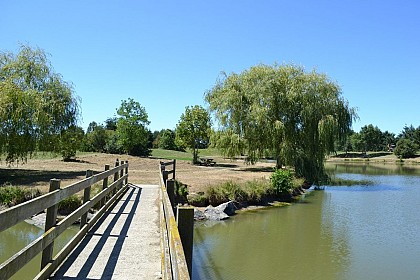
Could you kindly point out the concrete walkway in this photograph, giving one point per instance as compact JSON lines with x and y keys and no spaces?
{"x":124,"y":244}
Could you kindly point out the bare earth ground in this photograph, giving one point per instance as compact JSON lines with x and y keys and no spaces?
{"x":38,"y":172}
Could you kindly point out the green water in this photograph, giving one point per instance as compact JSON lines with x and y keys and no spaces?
{"x":17,"y":237}
{"x":358,"y":232}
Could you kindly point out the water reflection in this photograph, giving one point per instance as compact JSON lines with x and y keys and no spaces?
{"x":357,"y":232}
{"x":290,"y":242}
{"x":372,"y":168}
{"x":20,"y":235}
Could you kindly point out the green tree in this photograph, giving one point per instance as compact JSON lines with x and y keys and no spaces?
{"x":112,"y":145}
{"x":91,"y":127}
{"x":133,"y":135}
{"x":388,"y":140}
{"x":70,"y":142}
{"x":358,"y":142}
{"x":373,"y":138}
{"x":167,"y":140}
{"x":405,"y":148}
{"x":193,"y":129}
{"x":111,"y":123}
{"x":344,"y":144}
{"x":295,"y":114}
{"x":409,"y":132}
{"x":36,"y":105}
{"x":96,"y":138}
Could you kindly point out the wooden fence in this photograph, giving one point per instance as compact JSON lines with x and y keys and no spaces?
{"x":49,"y":201}
{"x":176,"y":232}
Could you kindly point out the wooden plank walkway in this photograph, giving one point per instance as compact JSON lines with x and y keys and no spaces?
{"x":124,"y":244}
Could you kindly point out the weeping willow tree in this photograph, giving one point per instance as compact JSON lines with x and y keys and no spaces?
{"x":36,"y":106}
{"x":281,"y":110}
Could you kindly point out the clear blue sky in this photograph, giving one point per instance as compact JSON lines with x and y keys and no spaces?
{"x":167,"y":54}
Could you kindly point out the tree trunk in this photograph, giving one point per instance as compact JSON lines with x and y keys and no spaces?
{"x":279,"y":163}
{"x":195,"y":156}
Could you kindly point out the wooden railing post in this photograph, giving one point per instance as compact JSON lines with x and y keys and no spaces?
{"x":185,"y":222}
{"x":164,"y":173}
{"x":170,"y":189}
{"x":121,"y":175}
{"x":173,"y":176}
{"x":126,"y":172}
{"x":50,"y":221}
{"x":86,"y":198}
{"x":104,"y":186}
{"x":117,"y":163}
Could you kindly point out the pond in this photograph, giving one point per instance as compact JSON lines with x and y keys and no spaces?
{"x":17,"y":237}
{"x":357,"y":232}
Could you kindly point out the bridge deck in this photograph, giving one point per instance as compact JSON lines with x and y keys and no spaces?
{"x":124,"y":244}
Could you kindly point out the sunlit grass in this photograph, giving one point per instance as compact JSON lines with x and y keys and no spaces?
{"x":169,"y":154}
{"x":209,"y":152}
{"x":178,"y":155}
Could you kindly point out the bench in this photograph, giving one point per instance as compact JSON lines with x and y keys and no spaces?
{"x":206,"y":161}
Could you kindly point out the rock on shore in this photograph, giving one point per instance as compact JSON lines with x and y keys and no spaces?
{"x":221,"y":212}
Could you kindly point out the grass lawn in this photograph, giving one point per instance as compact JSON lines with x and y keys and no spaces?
{"x":168,"y":154}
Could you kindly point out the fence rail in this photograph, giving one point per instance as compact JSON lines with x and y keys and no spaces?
{"x":49,"y":201}
{"x":175,"y":252}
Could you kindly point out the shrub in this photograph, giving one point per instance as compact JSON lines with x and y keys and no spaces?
{"x":282,"y":181}
{"x":258,"y":191}
{"x":12,"y":195}
{"x":216,"y":196}
{"x":255,"y":192}
{"x":199,"y":200}
{"x":234,"y":192}
{"x":69,"y":204}
{"x":139,"y":150}
{"x":226,"y":192}
{"x":181,"y":190}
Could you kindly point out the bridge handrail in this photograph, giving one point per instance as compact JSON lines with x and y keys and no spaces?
{"x":20,"y":212}
{"x":174,"y":264}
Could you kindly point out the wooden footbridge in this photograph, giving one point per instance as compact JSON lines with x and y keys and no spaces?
{"x":133,"y":234}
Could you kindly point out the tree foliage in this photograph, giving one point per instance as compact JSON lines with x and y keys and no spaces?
{"x":405,"y":148}
{"x":372,"y":137}
{"x":111,"y":123}
{"x":133,"y":135}
{"x":167,"y":140}
{"x":409,"y":132}
{"x":36,"y":105}
{"x":358,"y":142}
{"x":70,"y":142}
{"x":282,"y":181}
{"x":96,"y":138}
{"x":193,"y":129}
{"x":294,"y":114}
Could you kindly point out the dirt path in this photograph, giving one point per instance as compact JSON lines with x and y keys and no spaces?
{"x":37,"y":173}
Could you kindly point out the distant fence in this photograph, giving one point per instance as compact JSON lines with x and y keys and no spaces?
{"x":49,"y":201}
{"x":176,"y":232}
